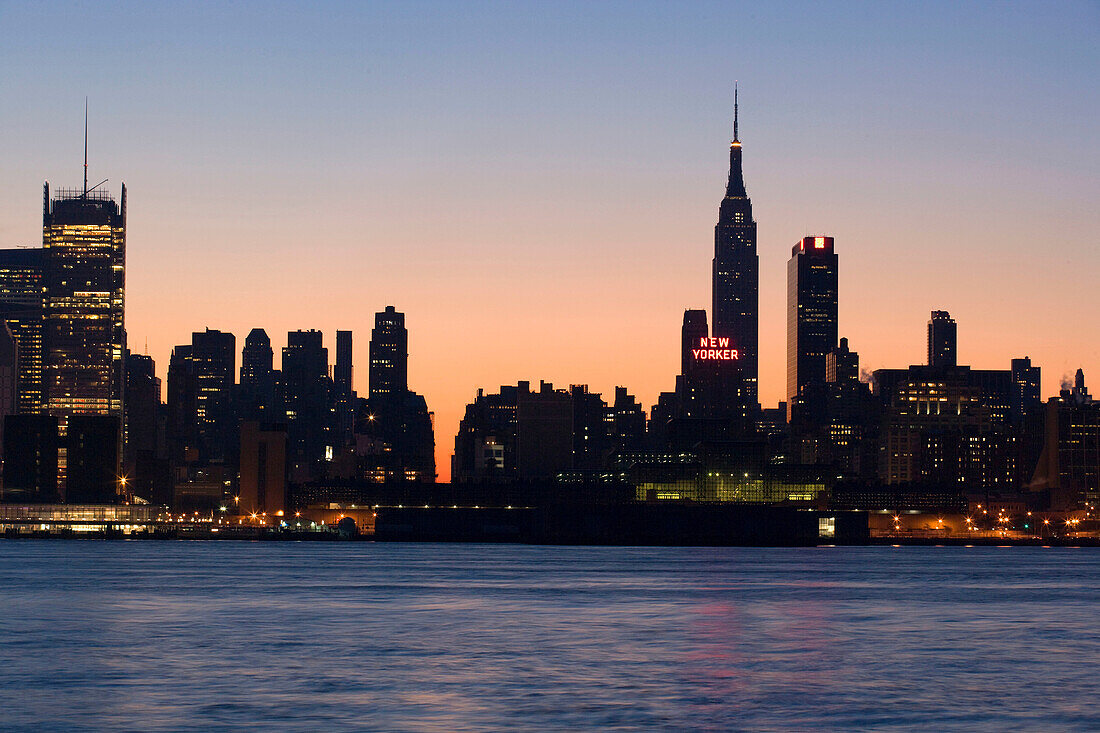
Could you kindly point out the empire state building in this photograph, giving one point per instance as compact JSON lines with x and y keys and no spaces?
{"x":736,"y":278}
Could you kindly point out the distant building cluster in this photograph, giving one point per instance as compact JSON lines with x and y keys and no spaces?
{"x":84,"y":421}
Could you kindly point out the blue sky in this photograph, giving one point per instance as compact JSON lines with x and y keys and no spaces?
{"x":555,"y":169}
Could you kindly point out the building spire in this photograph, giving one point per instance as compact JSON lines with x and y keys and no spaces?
{"x":734,"y":113}
{"x":86,"y":146}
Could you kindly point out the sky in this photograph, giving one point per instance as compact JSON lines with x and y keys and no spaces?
{"x":535,"y":185}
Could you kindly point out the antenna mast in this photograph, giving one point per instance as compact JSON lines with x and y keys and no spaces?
{"x":735,"y":118}
{"x":86,"y":147}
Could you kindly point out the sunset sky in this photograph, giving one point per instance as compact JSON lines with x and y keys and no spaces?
{"x":536,"y":185}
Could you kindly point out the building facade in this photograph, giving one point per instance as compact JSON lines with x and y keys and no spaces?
{"x":22,"y":294}
{"x":735,"y":288}
{"x":84,"y":243}
{"x":943,"y":340}
{"x":811,"y":325}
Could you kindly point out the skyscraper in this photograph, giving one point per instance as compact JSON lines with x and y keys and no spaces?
{"x":342,"y":371}
{"x":736,"y":283}
{"x":1025,"y":388}
{"x":142,"y":400}
{"x":811,"y":323}
{"x":307,"y":396}
{"x":394,"y":419}
{"x":144,"y":466}
{"x":21,"y":301}
{"x":257,"y":377}
{"x":84,"y":238}
{"x":389,"y":354}
{"x":942,"y":340}
{"x":213,"y":359}
{"x":345,"y":395}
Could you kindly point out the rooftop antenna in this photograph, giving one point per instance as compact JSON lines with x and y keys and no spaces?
{"x":86,"y":145}
{"x":735,"y":124}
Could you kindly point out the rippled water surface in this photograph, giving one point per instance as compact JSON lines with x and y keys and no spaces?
{"x":334,"y":636}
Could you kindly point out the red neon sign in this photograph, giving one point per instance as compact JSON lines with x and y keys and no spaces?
{"x":715,"y":349}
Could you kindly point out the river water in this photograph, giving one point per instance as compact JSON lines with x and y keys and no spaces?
{"x":158,"y":636}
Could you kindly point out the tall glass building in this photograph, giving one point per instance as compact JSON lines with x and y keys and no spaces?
{"x":21,"y":300}
{"x":84,"y":242}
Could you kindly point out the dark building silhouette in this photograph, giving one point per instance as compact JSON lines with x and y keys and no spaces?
{"x":213,"y":365}
{"x":30,"y":459}
{"x":182,"y":428}
{"x":811,"y":326}
{"x":515,"y":435}
{"x":389,"y":354}
{"x":84,"y":239}
{"x":9,"y":377}
{"x":591,"y":429}
{"x":942,"y":340}
{"x":92,"y":450}
{"x":142,"y":458}
{"x":707,"y":403}
{"x":257,"y":386}
{"x":22,"y":294}
{"x":547,"y":435}
{"x":142,"y":403}
{"x":841,"y":364}
{"x":394,"y":434}
{"x":736,"y":278}
{"x":692,"y":333}
{"x":1026,"y":380}
{"x":203,"y":436}
{"x":395,"y":439}
{"x":345,"y":394}
{"x":848,"y":436}
{"x":628,"y":423}
{"x":1069,"y":465}
{"x":307,"y":396}
{"x":263,"y":468}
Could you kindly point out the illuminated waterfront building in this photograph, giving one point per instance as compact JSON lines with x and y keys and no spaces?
{"x":736,"y":278}
{"x":21,"y":301}
{"x":84,"y":238}
{"x":948,"y":424}
{"x":811,"y":326}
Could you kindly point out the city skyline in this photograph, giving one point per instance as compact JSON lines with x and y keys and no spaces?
{"x":623,"y":246}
